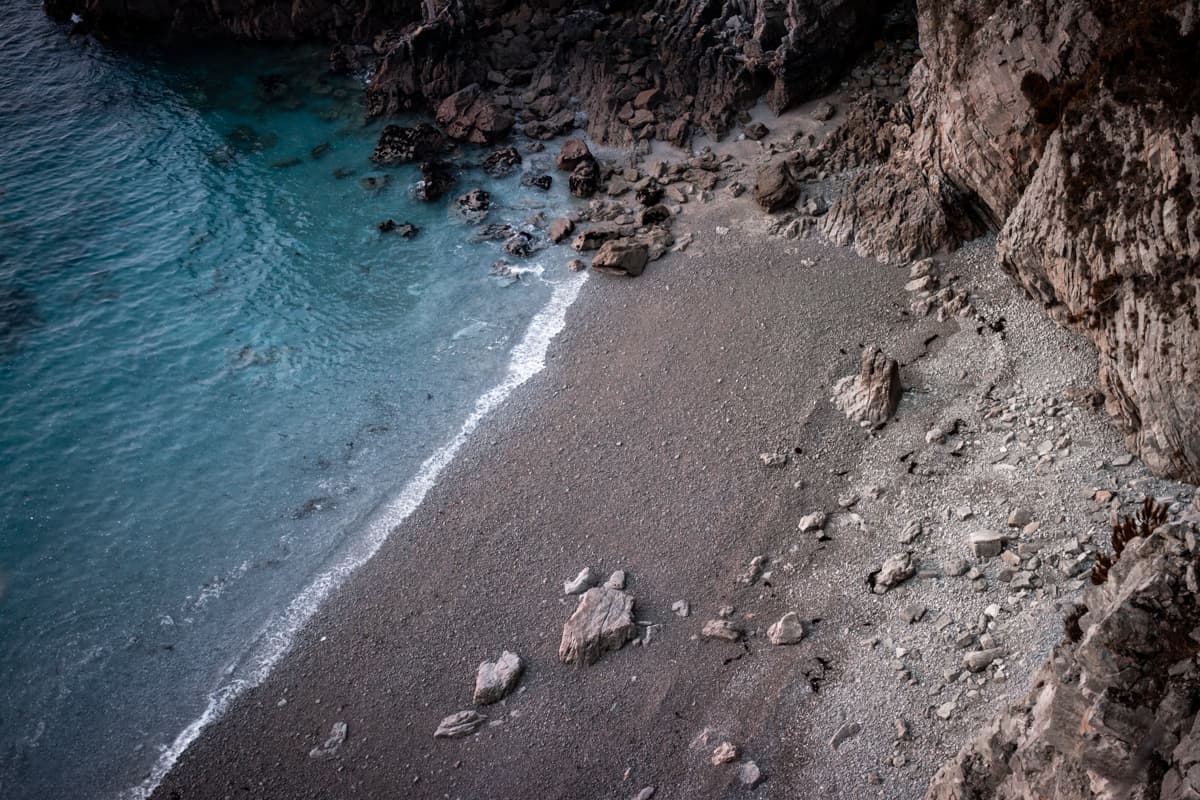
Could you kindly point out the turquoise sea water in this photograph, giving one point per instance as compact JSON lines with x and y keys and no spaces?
{"x":220,"y":385}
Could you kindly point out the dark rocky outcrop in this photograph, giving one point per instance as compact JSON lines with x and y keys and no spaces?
{"x":1071,"y":128}
{"x":1113,"y":711}
{"x":398,"y":145}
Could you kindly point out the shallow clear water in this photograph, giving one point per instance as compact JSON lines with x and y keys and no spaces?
{"x":218,"y":380}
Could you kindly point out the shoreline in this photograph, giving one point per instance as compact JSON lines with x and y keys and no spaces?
{"x":599,"y":462}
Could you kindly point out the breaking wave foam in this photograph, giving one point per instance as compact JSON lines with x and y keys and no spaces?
{"x":527,"y":359}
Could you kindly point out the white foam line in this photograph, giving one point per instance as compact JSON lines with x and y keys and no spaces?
{"x":528,"y":358}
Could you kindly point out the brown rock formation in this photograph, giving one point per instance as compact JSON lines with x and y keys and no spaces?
{"x":1070,"y":127}
{"x":1113,"y":712}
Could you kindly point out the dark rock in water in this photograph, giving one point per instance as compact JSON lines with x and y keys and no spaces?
{"x":520,"y":244}
{"x":341,"y":173}
{"x":405,"y":229}
{"x":398,"y":145}
{"x":755,"y":131}
{"x":286,"y":163}
{"x":320,"y":151}
{"x":437,"y":177}
{"x":245,"y":139}
{"x":775,"y":187}
{"x":543,"y":182}
{"x":271,"y":88}
{"x":502,"y":162}
{"x":621,"y":257}
{"x":313,"y":505}
{"x":655,"y":214}
{"x":474,"y":205}
{"x":649,"y":193}
{"x":375,"y":182}
{"x":535,"y":147}
{"x":468,"y":115}
{"x":573,"y":153}
{"x":502,"y":272}
{"x":576,"y":265}
{"x":585,"y":179}
{"x":496,"y":232}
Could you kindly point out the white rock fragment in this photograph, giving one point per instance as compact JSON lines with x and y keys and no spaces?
{"x":812,"y":522}
{"x":847,"y":731}
{"x":788,"y":630}
{"x":616,"y":580}
{"x":581,"y":583}
{"x":462,"y":723}
{"x":602,"y":621}
{"x":721,"y":629}
{"x":495,"y":679}
{"x":748,"y":774}
{"x":723,"y":754}
{"x":986,"y":544}
{"x":681,"y":608}
{"x":337,"y":735}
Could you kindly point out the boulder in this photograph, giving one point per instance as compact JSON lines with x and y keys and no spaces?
{"x":602,"y":621}
{"x":495,"y":679}
{"x":543,"y":182}
{"x":469,"y":116}
{"x":894,"y":571}
{"x":585,"y":179}
{"x":621,"y":257}
{"x":437,"y":177}
{"x":775,"y":187}
{"x":870,"y":398}
{"x":788,"y":630}
{"x":560,"y":229}
{"x":573,"y":153}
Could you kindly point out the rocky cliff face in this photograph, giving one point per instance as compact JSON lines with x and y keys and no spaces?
{"x":1113,"y":712}
{"x":1072,"y":128}
{"x":640,"y":70}
{"x":266,"y":20}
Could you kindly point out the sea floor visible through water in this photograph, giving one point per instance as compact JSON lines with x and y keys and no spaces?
{"x":220,"y":385}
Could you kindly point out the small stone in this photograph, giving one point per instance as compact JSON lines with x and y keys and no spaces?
{"x":337,"y":735}
{"x":723,"y":753}
{"x":585,"y":580}
{"x":847,"y":731}
{"x":911,"y":531}
{"x":681,"y":608}
{"x":964,"y":512}
{"x":912,"y":614}
{"x":956,"y":567}
{"x":616,"y":580}
{"x":848,"y":500}
{"x":979,"y":660}
{"x":495,"y":679}
{"x":788,"y":630}
{"x":1122,"y":460}
{"x":946,"y":710}
{"x":812,"y":522}
{"x":721,"y":629}
{"x":986,"y":544}
{"x":895,"y":570}
{"x":644,"y":794}
{"x":902,"y":731}
{"x":463,"y":723}
{"x":1019,"y":518}
{"x":748,"y":774}
{"x":773,"y":459}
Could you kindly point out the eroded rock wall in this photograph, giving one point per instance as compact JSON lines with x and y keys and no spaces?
{"x":1071,"y":128}
{"x":1113,"y":711}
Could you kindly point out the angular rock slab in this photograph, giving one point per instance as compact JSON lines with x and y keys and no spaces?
{"x":870,"y":398}
{"x":495,"y":679}
{"x":457,"y":725}
{"x":788,"y":630}
{"x":602,"y":621}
